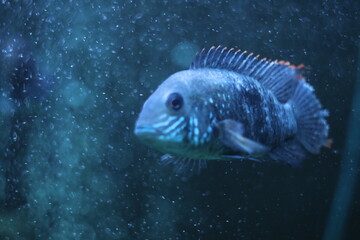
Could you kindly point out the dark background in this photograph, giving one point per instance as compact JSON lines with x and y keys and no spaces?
{"x":73,"y":77}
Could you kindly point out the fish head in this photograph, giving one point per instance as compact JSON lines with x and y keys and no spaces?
{"x":163,"y":120}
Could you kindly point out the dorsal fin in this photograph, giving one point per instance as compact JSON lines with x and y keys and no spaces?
{"x":280,"y":77}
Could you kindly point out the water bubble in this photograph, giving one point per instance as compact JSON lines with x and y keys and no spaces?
{"x":183,"y":53}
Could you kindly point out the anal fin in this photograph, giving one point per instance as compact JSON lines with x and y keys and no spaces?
{"x":290,"y":152}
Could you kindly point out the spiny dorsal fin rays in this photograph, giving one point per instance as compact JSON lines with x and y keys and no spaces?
{"x":216,"y":57}
{"x":232,"y":57}
{"x":239,"y":59}
{"x":212,"y":54}
{"x":257,"y":65}
{"x":280,"y":77}
{"x":208,"y":54}
{"x":226,"y":56}
{"x":220,"y":56}
{"x":243,"y":63}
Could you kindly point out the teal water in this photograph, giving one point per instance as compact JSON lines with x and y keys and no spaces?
{"x":73,"y":77}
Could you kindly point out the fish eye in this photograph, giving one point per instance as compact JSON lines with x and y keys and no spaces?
{"x":174,"y":101}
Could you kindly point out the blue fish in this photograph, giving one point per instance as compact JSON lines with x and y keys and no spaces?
{"x":233,"y":105}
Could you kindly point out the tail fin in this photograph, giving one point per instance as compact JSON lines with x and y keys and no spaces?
{"x":310,"y":117}
{"x":312,"y":129}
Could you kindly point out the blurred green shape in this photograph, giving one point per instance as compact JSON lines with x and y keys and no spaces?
{"x":15,"y":225}
{"x":346,"y":187}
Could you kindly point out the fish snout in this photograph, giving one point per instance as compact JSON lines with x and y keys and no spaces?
{"x":145,"y":131}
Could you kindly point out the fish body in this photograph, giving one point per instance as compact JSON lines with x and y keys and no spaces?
{"x":232,"y":105}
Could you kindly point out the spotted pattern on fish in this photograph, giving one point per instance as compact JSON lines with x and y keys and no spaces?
{"x":234,"y":105}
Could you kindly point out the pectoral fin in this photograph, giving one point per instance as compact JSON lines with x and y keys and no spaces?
{"x":231,"y":135}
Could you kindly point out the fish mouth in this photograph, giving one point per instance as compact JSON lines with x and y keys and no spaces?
{"x":146,"y":131}
{"x":155,"y":138}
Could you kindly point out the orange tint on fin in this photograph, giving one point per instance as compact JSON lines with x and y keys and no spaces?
{"x":329,"y":142}
{"x":249,"y":64}
{"x":300,"y":66}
